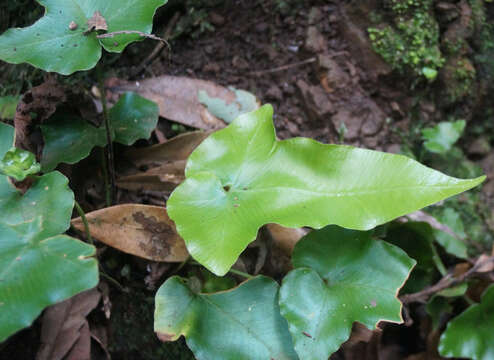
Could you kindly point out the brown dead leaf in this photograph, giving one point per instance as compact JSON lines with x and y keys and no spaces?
{"x":141,"y":230}
{"x":485,"y":263}
{"x":96,"y":22}
{"x":178,"y":100}
{"x":65,"y":330}
{"x":286,"y":238}
{"x":42,"y":101}
{"x":167,"y":162}
{"x":178,"y":148}
{"x":163,"y":178}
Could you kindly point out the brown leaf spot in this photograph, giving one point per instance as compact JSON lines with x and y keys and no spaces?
{"x":307,"y":334}
{"x":97,"y":22}
{"x":161,"y":232}
{"x":73,"y":25}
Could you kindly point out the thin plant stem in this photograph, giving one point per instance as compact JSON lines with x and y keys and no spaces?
{"x":84,"y":221}
{"x":233,"y":271}
{"x":109,"y":140}
{"x":104,"y":165}
{"x":113,"y":281}
{"x":438,"y":262}
{"x":241,"y":273}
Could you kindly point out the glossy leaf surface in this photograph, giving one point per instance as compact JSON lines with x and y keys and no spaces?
{"x":36,"y":272}
{"x":19,"y":164}
{"x":59,"y":41}
{"x":38,"y":266}
{"x":471,"y":334}
{"x":243,"y":323}
{"x":70,"y":139}
{"x":241,"y":178}
{"x":341,"y":276}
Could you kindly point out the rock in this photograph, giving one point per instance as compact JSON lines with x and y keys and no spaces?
{"x":315,"y":100}
{"x":480,"y":147}
{"x":360,"y":115}
{"x":274,"y":93}
{"x":315,"y":42}
{"x":453,"y":39}
{"x":334,"y":74}
{"x":458,"y":77}
{"x":352,"y":124}
{"x":353,"y":24}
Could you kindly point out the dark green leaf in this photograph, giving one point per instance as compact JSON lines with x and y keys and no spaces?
{"x":36,"y":272}
{"x":132,"y":118}
{"x":70,"y":139}
{"x":243,"y":323}
{"x":341,"y":276}
{"x":59,"y":40}
{"x":471,"y":334}
{"x":8,"y":104}
{"x":241,"y":178}
{"x":6,"y":138}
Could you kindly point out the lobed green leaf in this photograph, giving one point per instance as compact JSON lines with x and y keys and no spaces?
{"x":59,"y":41}
{"x":341,"y":276}
{"x":241,"y":178}
{"x":243,"y":323}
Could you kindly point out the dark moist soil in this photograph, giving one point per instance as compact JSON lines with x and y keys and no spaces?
{"x":313,"y":62}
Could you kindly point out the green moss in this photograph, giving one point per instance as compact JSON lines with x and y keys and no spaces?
{"x":411,"y":44}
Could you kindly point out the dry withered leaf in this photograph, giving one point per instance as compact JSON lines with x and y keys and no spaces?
{"x":96,"y":22}
{"x":141,"y":230}
{"x":166,"y":161}
{"x":42,"y":101}
{"x":162,"y":178}
{"x":178,"y":148}
{"x":178,"y":100}
{"x":286,"y":238}
{"x":65,"y":330}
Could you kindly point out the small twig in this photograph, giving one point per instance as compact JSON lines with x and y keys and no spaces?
{"x":131,"y":32}
{"x":446,"y":282}
{"x":109,"y":140}
{"x":284,"y":67}
{"x":84,"y":221}
{"x":159,"y":47}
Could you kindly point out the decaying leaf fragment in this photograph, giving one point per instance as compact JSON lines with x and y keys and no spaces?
{"x":166,"y":163}
{"x":96,"y":22}
{"x":141,"y":230}
{"x":179,"y":100}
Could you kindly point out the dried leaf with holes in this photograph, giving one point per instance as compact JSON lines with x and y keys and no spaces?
{"x":140,"y":230}
{"x":97,"y":22}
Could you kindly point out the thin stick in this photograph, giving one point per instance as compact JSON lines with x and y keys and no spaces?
{"x":113,"y":281}
{"x":131,"y":32}
{"x":109,"y":140}
{"x":84,"y":221}
{"x":284,"y":67}
{"x":446,"y":282}
{"x":159,"y":47}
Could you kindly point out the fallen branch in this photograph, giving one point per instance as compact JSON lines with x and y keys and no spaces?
{"x":446,"y":282}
